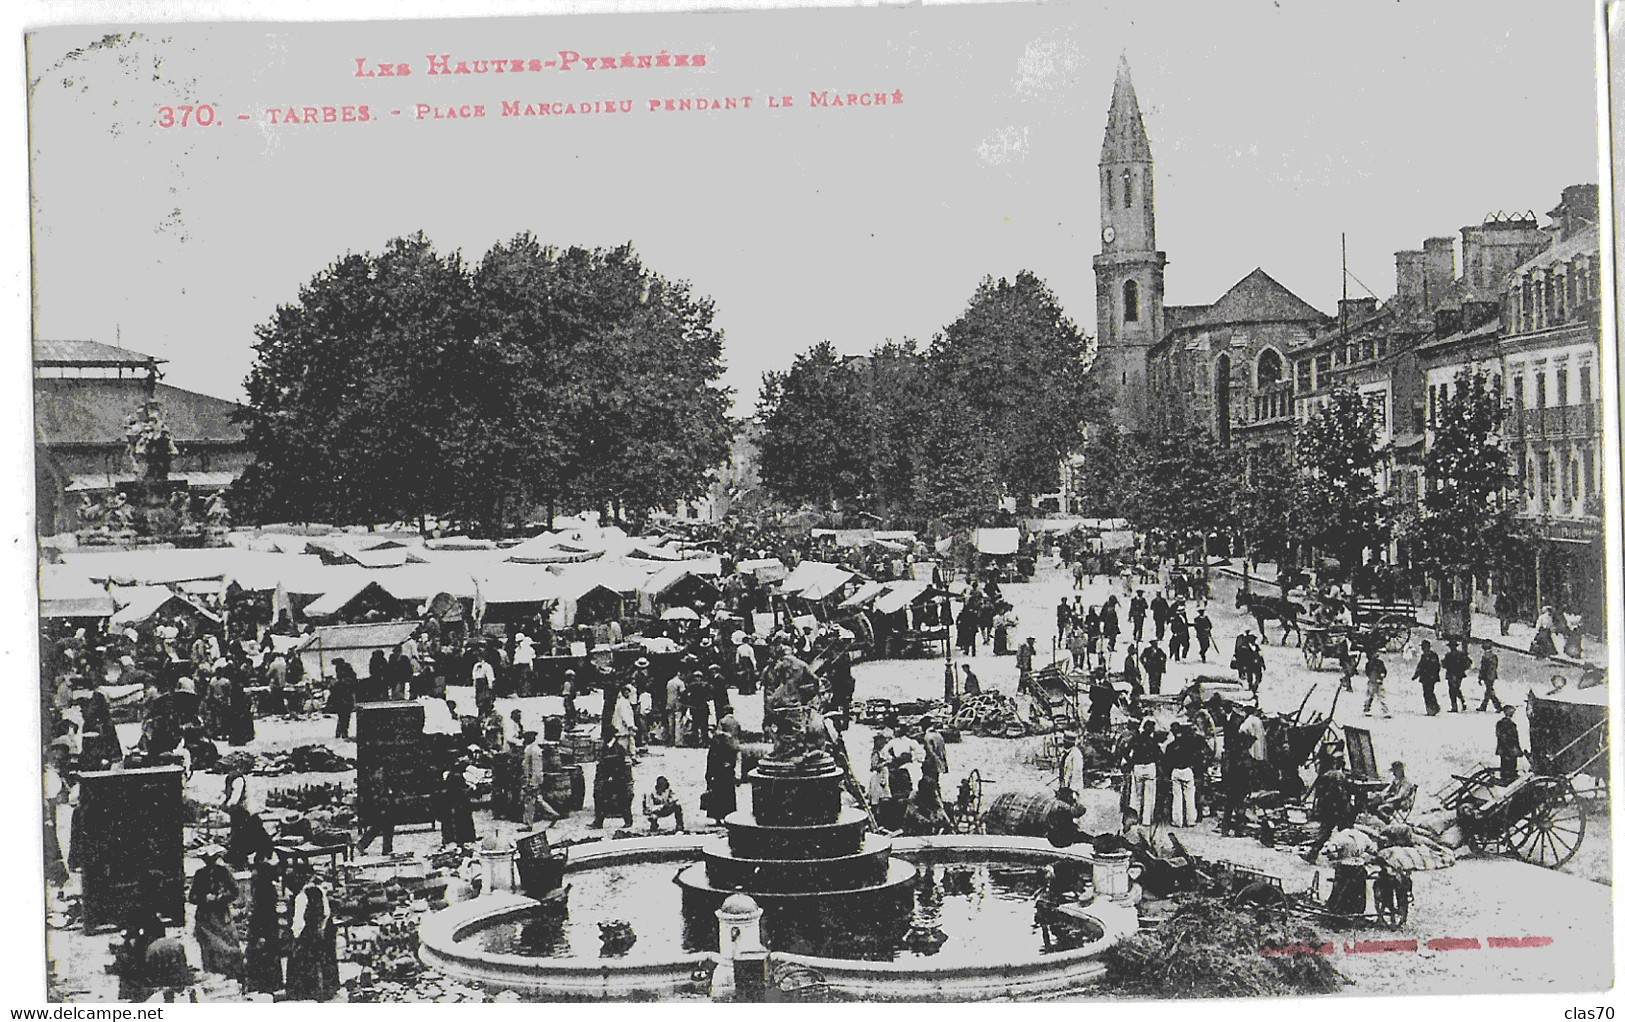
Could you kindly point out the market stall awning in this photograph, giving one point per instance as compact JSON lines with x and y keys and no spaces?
{"x":815,"y":575}
{"x":67,"y":592}
{"x":138,"y":603}
{"x":517,"y":583}
{"x":336,"y":600}
{"x":864,"y":595}
{"x":899,"y":595}
{"x":763,"y":569}
{"x":998,"y":542}
{"x":354,"y":644}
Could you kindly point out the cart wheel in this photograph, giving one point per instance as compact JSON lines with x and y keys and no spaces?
{"x":1314,"y":654}
{"x":1399,"y":638}
{"x":1552,"y":831}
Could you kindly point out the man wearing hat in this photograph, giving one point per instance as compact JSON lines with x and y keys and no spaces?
{"x":569,"y":693}
{"x":744,"y":663}
{"x":644,"y":684}
{"x":1185,"y":757}
{"x":1508,"y":745}
{"x":1489,"y":671}
{"x":676,"y":689}
{"x":1456,"y":663}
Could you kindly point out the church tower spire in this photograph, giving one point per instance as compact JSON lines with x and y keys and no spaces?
{"x":1129,"y":269}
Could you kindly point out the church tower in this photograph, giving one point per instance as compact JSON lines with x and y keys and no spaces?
{"x":1129,"y":269}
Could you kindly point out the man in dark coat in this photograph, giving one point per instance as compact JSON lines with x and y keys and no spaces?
{"x":1155,"y":661}
{"x":1456,"y":663}
{"x":1136,"y":614}
{"x":1159,"y":613}
{"x":1335,"y":805}
{"x":1203,"y":627}
{"x":1508,"y":745}
{"x":1427,"y":672}
{"x":1489,"y":671}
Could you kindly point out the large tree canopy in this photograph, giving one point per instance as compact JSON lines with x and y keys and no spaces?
{"x":1014,"y":369}
{"x":1338,"y":502}
{"x":989,"y":410}
{"x":817,"y":420}
{"x":403,"y":385}
{"x":1466,"y":523}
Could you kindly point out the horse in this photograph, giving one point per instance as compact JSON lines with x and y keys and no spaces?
{"x":1271,"y":608}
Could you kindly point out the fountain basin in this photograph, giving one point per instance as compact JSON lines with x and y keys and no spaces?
{"x":658,"y":966}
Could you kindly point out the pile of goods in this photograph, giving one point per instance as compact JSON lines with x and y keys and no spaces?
{"x":305,"y":797}
{"x":388,"y":951}
{"x":306,"y":759}
{"x":991,"y":715}
{"x":1209,"y":948}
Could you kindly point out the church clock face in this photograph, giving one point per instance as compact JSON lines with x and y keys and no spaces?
{"x":1108,"y":234}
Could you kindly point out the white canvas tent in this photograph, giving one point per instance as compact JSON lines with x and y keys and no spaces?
{"x":998,"y":542}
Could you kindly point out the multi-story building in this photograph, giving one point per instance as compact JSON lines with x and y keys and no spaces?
{"x":1551,"y":362}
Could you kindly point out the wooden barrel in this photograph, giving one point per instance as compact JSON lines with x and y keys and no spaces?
{"x":565,"y":789}
{"x":1020,"y":813}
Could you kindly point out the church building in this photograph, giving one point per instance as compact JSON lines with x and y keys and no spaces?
{"x":1170,"y":367}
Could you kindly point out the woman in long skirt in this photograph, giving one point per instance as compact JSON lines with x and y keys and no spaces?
{"x":313,"y":962}
{"x":721,"y":776}
{"x":264,"y":934}
{"x":213,"y":890}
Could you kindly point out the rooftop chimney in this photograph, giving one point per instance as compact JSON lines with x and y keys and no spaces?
{"x":1439,"y":268}
{"x":1576,"y":213}
{"x":1408,"y":275}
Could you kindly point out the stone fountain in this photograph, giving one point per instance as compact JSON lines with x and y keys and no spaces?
{"x":822,"y":878}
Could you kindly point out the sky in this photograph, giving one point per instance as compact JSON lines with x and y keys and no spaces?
{"x":1275,"y":127}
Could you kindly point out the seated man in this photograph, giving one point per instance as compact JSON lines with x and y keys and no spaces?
{"x":1061,"y":827}
{"x":660,"y":803}
{"x":1398,"y":799}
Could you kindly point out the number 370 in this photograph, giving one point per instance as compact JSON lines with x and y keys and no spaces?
{"x":203,"y":116}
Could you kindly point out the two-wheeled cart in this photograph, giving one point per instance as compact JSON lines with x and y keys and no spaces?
{"x":1540,"y":817}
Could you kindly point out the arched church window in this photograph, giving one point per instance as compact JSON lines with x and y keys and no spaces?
{"x":1131,"y":301}
{"x":1269,"y":367}
{"x":1128,"y":189}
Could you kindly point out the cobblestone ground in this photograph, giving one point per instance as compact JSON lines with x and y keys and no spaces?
{"x":1478,"y":898}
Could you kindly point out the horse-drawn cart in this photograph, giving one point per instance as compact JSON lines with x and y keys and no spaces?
{"x":1540,"y":817}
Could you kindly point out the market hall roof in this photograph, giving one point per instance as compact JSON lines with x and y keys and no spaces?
{"x":70,"y":354}
{"x":93,"y":410}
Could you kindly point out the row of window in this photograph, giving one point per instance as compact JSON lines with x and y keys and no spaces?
{"x":1546,"y":300}
{"x":1558,"y":487}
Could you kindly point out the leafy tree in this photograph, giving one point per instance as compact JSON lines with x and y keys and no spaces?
{"x":1180,"y":484}
{"x":1266,"y":505}
{"x":1103,"y":485}
{"x":616,"y":396}
{"x":347,"y":409}
{"x":401,"y":385}
{"x":1338,"y":503}
{"x":816,"y":428}
{"x":897,"y":393}
{"x":1466,"y":523}
{"x":1012,"y":372}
